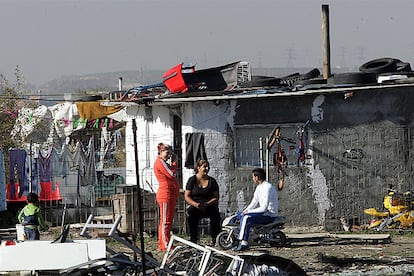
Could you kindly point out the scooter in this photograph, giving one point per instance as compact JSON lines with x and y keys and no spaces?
{"x":399,"y":212}
{"x":261,"y":234}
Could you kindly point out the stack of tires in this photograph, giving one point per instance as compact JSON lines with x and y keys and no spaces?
{"x":370,"y":71}
{"x":368,"y":74}
{"x":385,"y":65}
{"x":310,"y":78}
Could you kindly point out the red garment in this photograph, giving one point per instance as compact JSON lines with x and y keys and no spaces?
{"x":167,"y":194}
{"x":168,"y":185}
{"x":167,"y":209}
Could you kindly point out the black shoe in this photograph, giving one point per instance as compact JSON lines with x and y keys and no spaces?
{"x":240,"y":248}
{"x":213,"y":243}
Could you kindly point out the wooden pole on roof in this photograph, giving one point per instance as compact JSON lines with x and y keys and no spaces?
{"x":326,"y":49}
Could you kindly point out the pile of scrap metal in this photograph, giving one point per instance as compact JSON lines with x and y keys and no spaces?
{"x":92,"y":257}
{"x":236,"y":77}
{"x":184,"y":78}
{"x":232,"y":77}
{"x":187,"y":258}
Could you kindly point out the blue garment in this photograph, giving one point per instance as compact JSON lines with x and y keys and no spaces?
{"x":34,"y":176}
{"x":59,"y":162}
{"x":45,"y":166}
{"x":17,"y":162}
{"x":31,"y":181}
{"x":250,"y":219}
{"x":3,"y":205}
{"x":31,"y":234}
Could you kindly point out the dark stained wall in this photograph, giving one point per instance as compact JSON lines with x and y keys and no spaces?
{"x":359,"y":144}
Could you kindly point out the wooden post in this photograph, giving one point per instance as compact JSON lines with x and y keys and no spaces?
{"x":326,"y":49}
{"x":140,"y":216}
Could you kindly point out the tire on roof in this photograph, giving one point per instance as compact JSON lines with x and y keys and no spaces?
{"x":260,"y":81}
{"x":353,"y":78}
{"x":314,"y":73}
{"x":311,"y":81}
{"x":380,"y":65}
{"x":403,"y":67}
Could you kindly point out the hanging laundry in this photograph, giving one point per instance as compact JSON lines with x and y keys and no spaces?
{"x":74,"y":157}
{"x":75,"y":162}
{"x":59,"y":161}
{"x":94,"y":110}
{"x":17,"y":164}
{"x":83,"y":161}
{"x":32,"y":172}
{"x":64,"y":115}
{"x":45,"y":165}
{"x":3,"y":205}
{"x":89,"y":175}
{"x":195,"y":149}
{"x":120,"y":116}
{"x":32,"y":124}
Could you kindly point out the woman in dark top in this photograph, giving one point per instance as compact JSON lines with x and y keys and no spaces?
{"x":202,"y":194}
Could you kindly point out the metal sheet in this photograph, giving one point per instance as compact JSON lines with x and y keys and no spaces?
{"x":44,"y":255}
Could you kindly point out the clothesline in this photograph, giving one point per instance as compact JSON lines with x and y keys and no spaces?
{"x":47,"y":166}
{"x":96,"y":123}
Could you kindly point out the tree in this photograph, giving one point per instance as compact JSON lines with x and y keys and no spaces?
{"x":13,"y":96}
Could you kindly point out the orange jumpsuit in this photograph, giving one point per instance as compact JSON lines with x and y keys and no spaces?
{"x":167,"y":194}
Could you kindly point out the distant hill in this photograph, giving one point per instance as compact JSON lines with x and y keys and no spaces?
{"x":77,"y":85}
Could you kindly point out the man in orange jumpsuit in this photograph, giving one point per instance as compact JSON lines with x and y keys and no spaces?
{"x":167,"y":194}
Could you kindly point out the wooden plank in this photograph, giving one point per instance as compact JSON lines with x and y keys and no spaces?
{"x":322,"y":236}
{"x":362,"y":236}
{"x":7,"y":230}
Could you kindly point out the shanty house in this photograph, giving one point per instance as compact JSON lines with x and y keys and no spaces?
{"x":356,"y":140}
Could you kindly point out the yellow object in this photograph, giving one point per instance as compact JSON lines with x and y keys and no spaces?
{"x":393,"y":209}
{"x":374,"y":223}
{"x":406,"y":220}
{"x":375,"y":213}
{"x":94,"y":110}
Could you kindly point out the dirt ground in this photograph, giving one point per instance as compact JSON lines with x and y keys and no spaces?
{"x":318,"y":257}
{"x":342,"y":257}
{"x":339,"y":256}
{"x":353,"y":256}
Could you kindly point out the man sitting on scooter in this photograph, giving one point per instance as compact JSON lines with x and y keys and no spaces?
{"x":262,"y":209}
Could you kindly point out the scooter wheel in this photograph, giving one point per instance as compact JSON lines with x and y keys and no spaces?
{"x":279,"y":239}
{"x":225,"y":240}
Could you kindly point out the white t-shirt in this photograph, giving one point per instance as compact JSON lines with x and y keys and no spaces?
{"x":264,"y":200}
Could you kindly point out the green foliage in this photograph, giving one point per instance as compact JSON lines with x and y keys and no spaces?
{"x":13,"y":96}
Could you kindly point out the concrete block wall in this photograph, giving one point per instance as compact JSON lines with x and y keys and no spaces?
{"x":358,"y":147}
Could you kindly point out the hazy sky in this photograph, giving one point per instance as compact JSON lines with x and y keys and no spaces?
{"x":49,"y":39}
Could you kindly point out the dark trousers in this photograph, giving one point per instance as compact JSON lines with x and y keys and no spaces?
{"x":18,"y":161}
{"x":248,"y":220}
{"x":31,"y":234}
{"x":194,"y":216}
